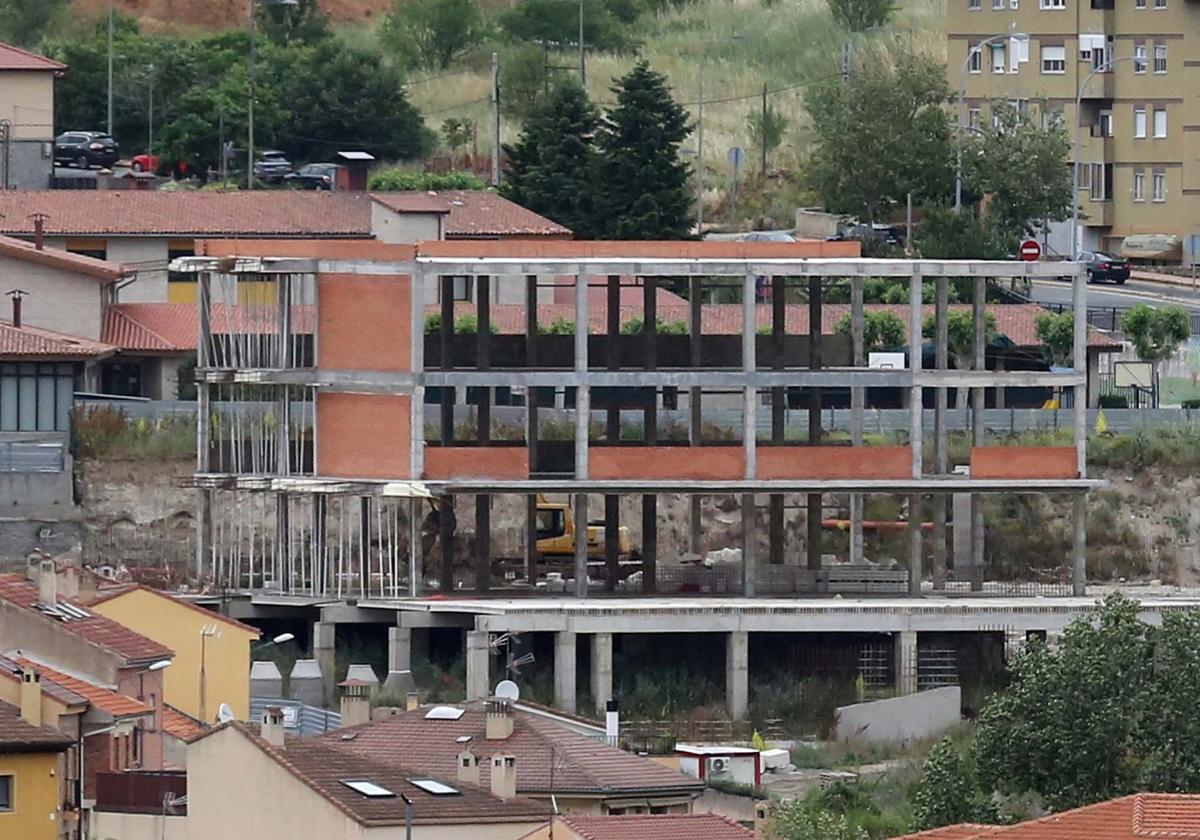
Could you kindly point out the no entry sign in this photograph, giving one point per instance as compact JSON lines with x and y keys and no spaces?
{"x":1030,"y":250}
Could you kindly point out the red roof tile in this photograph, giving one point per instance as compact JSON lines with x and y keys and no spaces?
{"x":17,"y":736}
{"x":110,"y":594}
{"x":961,"y":831}
{"x":88,"y":266}
{"x":478,"y":213}
{"x":26,"y":342}
{"x":103,"y":698}
{"x":656,"y":827}
{"x":12,"y":671}
{"x":15,"y":58}
{"x":133,"y":647}
{"x":179,"y":725}
{"x":175,"y":327}
{"x":412,"y":202}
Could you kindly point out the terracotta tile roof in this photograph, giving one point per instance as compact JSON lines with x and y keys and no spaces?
{"x":12,"y":671}
{"x":412,"y":202}
{"x":103,"y":632}
{"x":656,"y":827}
{"x":961,"y":831}
{"x":175,"y":327}
{"x":478,"y":213}
{"x":260,"y":213}
{"x":102,"y":697}
{"x":101,"y":270}
{"x":112,"y":593}
{"x":179,"y":725}
{"x":17,"y":736}
{"x":26,"y":342}
{"x":15,"y":58}
{"x":582,"y":765}
{"x":324,"y":765}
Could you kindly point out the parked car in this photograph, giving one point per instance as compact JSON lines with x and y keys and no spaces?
{"x":313,"y":176}
{"x":144,"y":163}
{"x":272,"y":166}
{"x":86,"y":149}
{"x":1101,"y":266}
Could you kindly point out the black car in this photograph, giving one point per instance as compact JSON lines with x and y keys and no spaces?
{"x":313,"y":176}
{"x":86,"y":149}
{"x":1101,"y":266}
{"x":272,"y":166}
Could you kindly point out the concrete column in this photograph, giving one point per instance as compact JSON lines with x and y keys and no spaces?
{"x":857,"y":404}
{"x":1079,"y":545}
{"x":906,"y":662}
{"x":695,"y":526}
{"x":478,"y":656}
{"x":961,"y":503}
{"x":649,"y":542}
{"x":564,"y":670}
{"x":581,"y":549}
{"x":324,"y":643}
{"x":749,"y":363}
{"x":399,"y":678}
{"x":814,"y":501}
{"x":737,"y":673}
{"x":979,"y":324}
{"x":749,"y":545}
{"x":915,"y":548}
{"x":941,"y":432}
{"x":602,"y":670}
{"x":483,"y":543}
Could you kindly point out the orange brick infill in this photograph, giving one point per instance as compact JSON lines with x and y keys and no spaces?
{"x":364,"y":322}
{"x":1017,"y":462}
{"x":365,"y":436}
{"x":709,"y":463}
{"x":834,"y":462}
{"x":496,"y":462}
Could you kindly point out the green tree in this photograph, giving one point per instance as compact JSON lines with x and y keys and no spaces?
{"x":947,"y":791}
{"x":881,"y":135}
{"x":284,"y":24}
{"x":797,"y":821}
{"x":767,"y":127}
{"x":24,"y":23}
{"x":949,"y":235}
{"x":960,"y":334}
{"x":456,"y":133}
{"x":526,"y":81}
{"x":395,"y":179}
{"x":555,"y":23}
{"x":432,"y":34}
{"x":1156,"y":333}
{"x":1057,"y":334}
{"x":880,"y":330}
{"x":552,"y":166}
{"x":645,"y":185}
{"x":860,"y":15}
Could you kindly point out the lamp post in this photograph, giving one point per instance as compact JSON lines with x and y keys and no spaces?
{"x":253,"y":58}
{"x":582,"y":61}
{"x":962,"y":92}
{"x":1099,"y":68}
{"x":110,"y":67}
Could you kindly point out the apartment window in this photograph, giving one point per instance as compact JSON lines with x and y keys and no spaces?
{"x":1085,"y":176}
{"x":1139,"y":185}
{"x":1139,"y":58}
{"x":1139,"y":122}
{"x":1054,"y":59}
{"x":1160,"y":58}
{"x":1103,"y":4}
{"x":1102,"y":178}
{"x":1159,"y":185}
{"x":6,"y":793}
{"x":1139,"y":4}
{"x":1052,"y":4}
{"x":1020,"y":108}
{"x":1160,"y":4}
{"x":1051,"y":118}
{"x":997,"y":5}
{"x":975,"y":60}
{"x":976,"y":5}
{"x":1014,"y":4}
{"x":1105,"y":124}
{"x":999,"y":58}
{"x":974,"y":117}
{"x":1160,"y":122}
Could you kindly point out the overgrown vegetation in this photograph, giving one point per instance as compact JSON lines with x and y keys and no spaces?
{"x":396,"y":179}
{"x":108,"y":433}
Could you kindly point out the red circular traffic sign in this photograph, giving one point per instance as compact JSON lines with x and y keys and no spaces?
{"x":1030,"y":250}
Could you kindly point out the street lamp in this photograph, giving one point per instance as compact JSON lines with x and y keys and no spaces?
{"x":110,"y":67}
{"x":254,"y":4}
{"x":962,"y":92}
{"x":1099,"y":68}
{"x":282,"y":638}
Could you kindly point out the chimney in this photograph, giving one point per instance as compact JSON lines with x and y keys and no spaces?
{"x":272,"y":726}
{"x":612,"y":722}
{"x":762,"y":816}
{"x":31,"y":697}
{"x":498,"y":719}
{"x":16,"y":295}
{"x":468,"y":768}
{"x":39,"y":230}
{"x":504,"y":776}
{"x":356,"y":702}
{"x":47,"y":583}
{"x":411,"y":701}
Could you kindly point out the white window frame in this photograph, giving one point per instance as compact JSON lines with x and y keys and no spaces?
{"x":12,"y":795}
{"x":998,"y":5}
{"x":1052,"y":5}
{"x":1051,"y":117}
{"x":999,"y":51}
{"x":976,"y":5}
{"x":1140,"y":124}
{"x":1160,"y":123}
{"x":1140,"y":60}
{"x":1160,"y":5}
{"x":974,"y":59}
{"x":1054,"y":64}
{"x":1160,"y":59}
{"x":1139,"y":4}
{"x":974,"y":117}
{"x":1105,"y":122}
{"x":1158,"y":185}
{"x":1139,"y":185}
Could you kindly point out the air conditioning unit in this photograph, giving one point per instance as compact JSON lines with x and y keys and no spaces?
{"x":718,"y":766}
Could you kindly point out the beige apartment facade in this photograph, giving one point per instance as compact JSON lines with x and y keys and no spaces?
{"x":26,"y":118}
{"x":1139,"y":120}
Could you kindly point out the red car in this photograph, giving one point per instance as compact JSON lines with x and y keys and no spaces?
{"x":144,"y":163}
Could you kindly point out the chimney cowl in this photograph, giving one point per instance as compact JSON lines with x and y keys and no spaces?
{"x":47,"y":583}
{"x":498,"y":719}
{"x":31,"y":696}
{"x":504,"y":776}
{"x":16,"y":295}
{"x":272,"y":726}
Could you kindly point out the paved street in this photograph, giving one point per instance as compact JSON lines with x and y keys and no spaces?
{"x":1104,"y":294}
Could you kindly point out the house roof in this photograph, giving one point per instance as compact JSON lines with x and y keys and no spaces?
{"x":102,"y":697}
{"x":412,"y":202}
{"x":133,"y":648}
{"x":12,"y":670}
{"x":26,"y":342}
{"x":1136,"y":817}
{"x":324,"y":766}
{"x":17,"y":736}
{"x":581,"y":765}
{"x":479,"y":213}
{"x":179,"y":725}
{"x":15,"y":58}
{"x":113,"y":593}
{"x":655,"y":827}
{"x":101,"y":270}
{"x":175,"y":327}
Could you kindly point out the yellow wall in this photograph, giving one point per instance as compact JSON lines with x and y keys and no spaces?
{"x":27,"y":101}
{"x":176,"y":625}
{"x":35,"y":796}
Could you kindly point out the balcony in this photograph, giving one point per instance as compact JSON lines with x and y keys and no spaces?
{"x":1100,"y":86}
{"x":142,"y":792}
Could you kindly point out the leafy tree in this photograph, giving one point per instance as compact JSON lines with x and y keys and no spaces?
{"x":284,"y":24}
{"x":947,"y":790}
{"x":552,"y":166}
{"x":525,"y":81}
{"x":880,"y":329}
{"x":879,"y":136}
{"x":636,"y":326}
{"x":960,"y":333}
{"x":555,"y":23}
{"x":433,"y":33}
{"x":1156,"y":333}
{"x":407,"y":180}
{"x":646,"y":192}
{"x":766,"y":127}
{"x":456,"y":133}
{"x":24,"y":23}
{"x":948,"y":235}
{"x":860,"y":15}
{"x":1057,"y":334}
{"x":797,"y":821}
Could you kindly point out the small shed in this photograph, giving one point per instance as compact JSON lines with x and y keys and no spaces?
{"x":718,"y":762}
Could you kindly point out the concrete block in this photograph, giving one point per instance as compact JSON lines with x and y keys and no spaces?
{"x":306,"y":683}
{"x":362,"y":672}
{"x":265,"y":679}
{"x":564,"y":671}
{"x":477,"y":665}
{"x":901,"y":719}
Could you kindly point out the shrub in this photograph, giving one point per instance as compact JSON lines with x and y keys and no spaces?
{"x":636,"y":326}
{"x":408,"y":180}
{"x":1115,"y":401}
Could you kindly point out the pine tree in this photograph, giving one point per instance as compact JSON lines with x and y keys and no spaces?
{"x":946,"y":792}
{"x":552,"y":167}
{"x":645,"y":183}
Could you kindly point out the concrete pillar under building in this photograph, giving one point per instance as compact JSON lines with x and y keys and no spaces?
{"x":564,"y":670}
{"x":961,"y":503}
{"x":1079,"y":545}
{"x":915,"y":546}
{"x":906,"y":662}
{"x":399,"y":678}
{"x":649,"y":543}
{"x":324,"y":644}
{"x":602,"y":670}
{"x":483,"y":543}
{"x":737,"y":673}
{"x":749,"y":545}
{"x":478,"y":655}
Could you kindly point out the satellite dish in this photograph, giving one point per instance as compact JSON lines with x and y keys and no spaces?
{"x":224,"y":713}
{"x":508,"y":690}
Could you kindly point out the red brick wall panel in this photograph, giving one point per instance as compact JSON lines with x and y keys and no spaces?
{"x":367,"y":436}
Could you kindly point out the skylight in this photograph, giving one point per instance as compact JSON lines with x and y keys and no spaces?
{"x":443,"y":713}
{"x":462,"y":739}
{"x":367,"y":788}
{"x":434,"y":787}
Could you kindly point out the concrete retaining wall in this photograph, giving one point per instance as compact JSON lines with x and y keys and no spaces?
{"x":907,"y":718}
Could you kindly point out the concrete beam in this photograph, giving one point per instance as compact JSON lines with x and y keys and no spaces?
{"x":926,"y":484}
{"x":737,"y":673}
{"x":602,"y":670}
{"x":906,"y":662}
{"x":564,"y":671}
{"x":478,"y":656}
{"x":324,"y":650}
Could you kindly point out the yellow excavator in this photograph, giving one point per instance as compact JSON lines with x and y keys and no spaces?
{"x":556,"y":533}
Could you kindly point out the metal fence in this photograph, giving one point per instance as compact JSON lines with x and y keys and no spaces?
{"x":1109,"y":317}
{"x":33,"y":456}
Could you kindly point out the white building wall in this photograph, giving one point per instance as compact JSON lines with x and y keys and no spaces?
{"x":404,"y":228}
{"x":148,"y":256}
{"x":58,"y":299}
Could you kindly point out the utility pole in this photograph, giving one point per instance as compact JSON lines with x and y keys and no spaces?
{"x":250,"y":107}
{"x":495,"y":119}
{"x":110,"y":67}
{"x":762,"y":130}
{"x":700,"y":157}
{"x":150,"y":118}
{"x":582,"y":60}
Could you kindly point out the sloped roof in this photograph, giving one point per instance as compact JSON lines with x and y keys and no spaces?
{"x":581,"y":764}
{"x":961,"y":831}
{"x":133,"y":647}
{"x":655,"y":827}
{"x":179,"y":725}
{"x":113,"y":593}
{"x":26,"y":342}
{"x":480,"y":213}
{"x":175,"y":327}
{"x":15,"y":58}
{"x":412,"y":202}
{"x":101,"y":270}
{"x":17,"y":736}
{"x":12,"y":670}
{"x":102,"y":697}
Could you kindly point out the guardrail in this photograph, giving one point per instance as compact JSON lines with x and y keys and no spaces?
{"x":32,"y":456}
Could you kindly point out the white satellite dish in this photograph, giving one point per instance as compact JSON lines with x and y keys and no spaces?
{"x":224,"y":713}
{"x":508,"y":690}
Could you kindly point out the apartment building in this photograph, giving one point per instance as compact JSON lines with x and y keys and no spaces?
{"x":1136,"y":62}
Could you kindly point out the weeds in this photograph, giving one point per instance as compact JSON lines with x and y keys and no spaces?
{"x":108,"y":433}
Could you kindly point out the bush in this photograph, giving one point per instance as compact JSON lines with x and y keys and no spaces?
{"x":559,"y":326}
{"x":1193,"y":403}
{"x":636,"y":326}
{"x":108,"y":433}
{"x":1114,"y":401}
{"x":408,"y":180}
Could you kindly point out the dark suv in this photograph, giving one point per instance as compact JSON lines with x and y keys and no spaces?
{"x":314,"y":176}
{"x":86,"y":149}
{"x":272,"y":166}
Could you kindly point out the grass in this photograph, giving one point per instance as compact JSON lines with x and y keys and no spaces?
{"x":1176,"y":389}
{"x":109,"y":433}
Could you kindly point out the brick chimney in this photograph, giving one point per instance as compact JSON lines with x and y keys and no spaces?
{"x":272,"y":726}
{"x":16,"y":295}
{"x":39,"y":230}
{"x":504,"y":776}
{"x":356,"y":702}
{"x":411,"y":701}
{"x":47,"y":583}
{"x":468,"y":767}
{"x":31,"y":697}
{"x":498,"y":719}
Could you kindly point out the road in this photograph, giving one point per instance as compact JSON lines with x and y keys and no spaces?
{"x":1122,"y":297}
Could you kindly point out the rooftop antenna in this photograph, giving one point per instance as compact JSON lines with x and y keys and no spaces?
{"x":224,"y":713}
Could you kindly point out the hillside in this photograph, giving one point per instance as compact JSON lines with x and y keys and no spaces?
{"x":216,"y":14}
